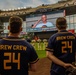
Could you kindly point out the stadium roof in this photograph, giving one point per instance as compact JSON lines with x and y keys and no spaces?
{"x":25,"y":11}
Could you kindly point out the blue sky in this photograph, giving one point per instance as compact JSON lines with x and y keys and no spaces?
{"x":11,"y":4}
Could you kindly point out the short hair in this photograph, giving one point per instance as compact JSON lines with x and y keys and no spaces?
{"x":61,"y":23}
{"x":44,"y":15}
{"x":15,"y":23}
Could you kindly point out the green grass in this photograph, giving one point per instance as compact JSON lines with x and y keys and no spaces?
{"x":40,"y":48}
{"x":41,"y":53}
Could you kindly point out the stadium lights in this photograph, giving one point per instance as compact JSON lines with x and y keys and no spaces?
{"x":6,"y":9}
{"x":3,"y":9}
{"x":24,"y":7}
{"x":15,"y":9}
{"x":12,"y":9}
{"x":9,"y":9}
{"x":19,"y":8}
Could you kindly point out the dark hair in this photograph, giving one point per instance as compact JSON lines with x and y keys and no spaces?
{"x":28,"y":40}
{"x":44,"y":26}
{"x":61,"y":23}
{"x":15,"y":23}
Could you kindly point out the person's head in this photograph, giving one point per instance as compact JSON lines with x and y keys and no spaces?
{"x":15,"y":24}
{"x":61,"y":23}
{"x":44,"y":18}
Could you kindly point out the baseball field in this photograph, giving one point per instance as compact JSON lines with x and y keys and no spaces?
{"x":43,"y":65}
